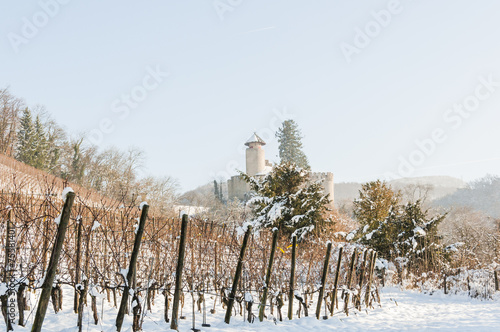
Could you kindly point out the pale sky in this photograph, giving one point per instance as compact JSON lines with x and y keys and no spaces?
{"x":364,"y":80}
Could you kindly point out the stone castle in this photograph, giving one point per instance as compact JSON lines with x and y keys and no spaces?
{"x":258,"y":166}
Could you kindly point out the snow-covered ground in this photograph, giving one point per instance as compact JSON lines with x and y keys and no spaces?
{"x":400,"y":311}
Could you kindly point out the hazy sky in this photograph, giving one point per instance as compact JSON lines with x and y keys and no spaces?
{"x":409,"y":88}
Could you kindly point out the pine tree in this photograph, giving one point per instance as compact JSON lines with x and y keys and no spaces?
{"x":77,"y":165}
{"x":286,"y":199}
{"x":26,"y":139}
{"x":41,"y":148}
{"x":375,"y":201}
{"x":391,"y":228}
{"x":290,"y":145}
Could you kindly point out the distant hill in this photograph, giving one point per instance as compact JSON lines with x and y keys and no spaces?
{"x":435,"y":187}
{"x":481,"y":195}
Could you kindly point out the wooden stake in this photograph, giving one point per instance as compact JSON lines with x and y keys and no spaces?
{"x":237,"y":275}
{"x":334,"y":300}
{"x":323,"y":279}
{"x":292,"y":279}
{"x":132,"y":267}
{"x":52,"y":268}
{"x":263,"y":301}
{"x":178,"y":274}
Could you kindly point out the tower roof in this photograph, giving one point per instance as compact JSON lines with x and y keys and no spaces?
{"x":255,"y":139}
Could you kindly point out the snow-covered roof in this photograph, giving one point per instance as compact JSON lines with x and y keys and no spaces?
{"x":255,"y":139}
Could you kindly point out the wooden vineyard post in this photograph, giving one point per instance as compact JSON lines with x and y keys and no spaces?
{"x":334,"y":300}
{"x":178,"y":273}
{"x":361,"y":279}
{"x":497,"y":285}
{"x":239,"y":267}
{"x":292,"y":279}
{"x":54,"y":259}
{"x":78,"y":262}
{"x":263,"y":301}
{"x":132,"y":267}
{"x":349,"y":281}
{"x":323,"y":279}
{"x":370,"y":278}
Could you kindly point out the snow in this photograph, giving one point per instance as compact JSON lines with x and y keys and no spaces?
{"x":350,"y":236}
{"x":248,"y":297}
{"x":243,"y":229}
{"x":96,"y":225}
{"x":65,"y":193}
{"x":142,"y":205}
{"x":399,"y":311}
{"x":419,"y":231}
{"x":369,"y":235}
{"x":124,"y":273}
{"x":57,"y":220}
{"x":3,"y":288}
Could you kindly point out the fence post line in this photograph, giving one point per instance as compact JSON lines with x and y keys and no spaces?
{"x":178,"y":273}
{"x":323,"y":279}
{"x":230,"y":304}
{"x":132,"y":267}
{"x":263,"y":301}
{"x":292,"y":278}
{"x":54,"y":259}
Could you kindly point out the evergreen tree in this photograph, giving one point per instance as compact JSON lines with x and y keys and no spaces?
{"x":375,"y":201}
{"x":391,"y":228}
{"x":77,"y":165}
{"x":290,"y":145}
{"x":218,"y":191}
{"x":41,"y":148}
{"x":26,"y":139}
{"x":286,"y":199}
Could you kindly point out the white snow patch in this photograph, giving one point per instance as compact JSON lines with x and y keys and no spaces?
{"x":65,"y":193}
{"x":96,"y":225}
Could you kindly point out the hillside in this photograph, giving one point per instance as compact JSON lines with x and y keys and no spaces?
{"x":481,"y":195}
{"x":17,"y":177}
{"x":435,"y":187}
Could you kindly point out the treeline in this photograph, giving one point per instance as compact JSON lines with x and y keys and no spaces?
{"x":33,"y":137}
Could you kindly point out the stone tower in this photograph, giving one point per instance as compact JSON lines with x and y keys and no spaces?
{"x":255,"y":156}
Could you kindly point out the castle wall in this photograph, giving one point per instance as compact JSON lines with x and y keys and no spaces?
{"x":326,"y":180}
{"x":237,"y":188}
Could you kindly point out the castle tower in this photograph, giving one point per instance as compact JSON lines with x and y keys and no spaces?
{"x":255,"y":155}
